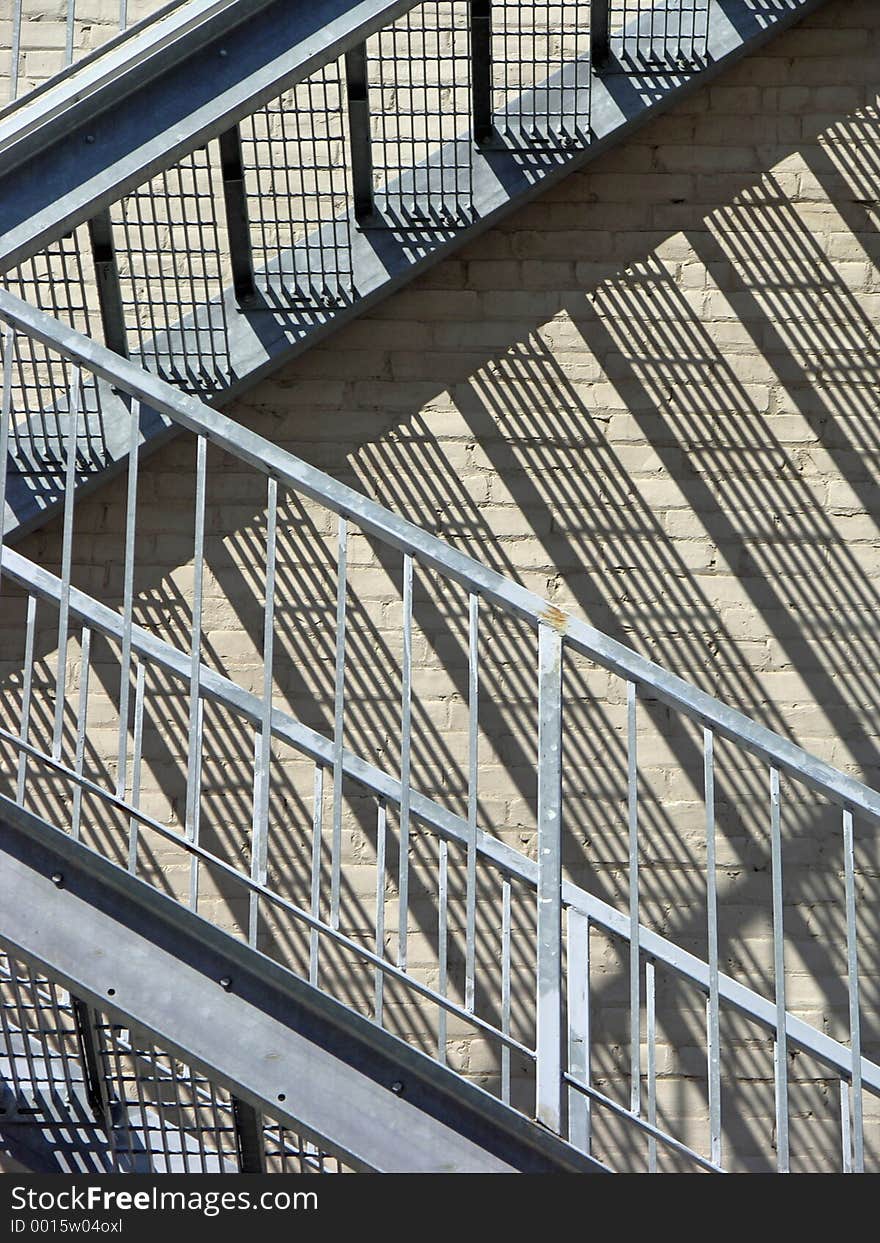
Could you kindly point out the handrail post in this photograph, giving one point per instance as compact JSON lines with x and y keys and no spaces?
{"x":358,"y":96}
{"x":481,"y":69}
{"x":600,"y":48}
{"x":548,"y":1090}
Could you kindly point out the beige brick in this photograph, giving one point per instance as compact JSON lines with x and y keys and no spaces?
{"x":649,"y":396}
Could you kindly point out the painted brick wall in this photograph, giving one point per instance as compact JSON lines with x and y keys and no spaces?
{"x":649,"y":396}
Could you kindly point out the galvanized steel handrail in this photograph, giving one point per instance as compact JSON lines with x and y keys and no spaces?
{"x":194,"y":415}
{"x":66,"y":94}
{"x":44,"y":585}
{"x":73,"y":63}
{"x":557,"y":632}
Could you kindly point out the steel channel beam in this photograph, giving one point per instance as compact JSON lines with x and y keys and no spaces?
{"x":145,"y":42}
{"x":446,"y":823}
{"x":297,"y":1054}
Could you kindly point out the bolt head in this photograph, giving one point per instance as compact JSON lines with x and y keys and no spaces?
{"x":57,"y":879}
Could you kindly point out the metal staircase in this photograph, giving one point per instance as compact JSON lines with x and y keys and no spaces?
{"x":234,"y":180}
{"x":454,"y":1024}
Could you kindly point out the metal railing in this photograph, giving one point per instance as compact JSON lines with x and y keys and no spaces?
{"x":271,"y":218}
{"x":41,"y":47}
{"x":468,"y":942}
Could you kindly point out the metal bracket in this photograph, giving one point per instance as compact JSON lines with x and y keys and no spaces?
{"x":107,"y":279}
{"x":358,"y":96}
{"x":481,"y":70}
{"x":237,"y":223}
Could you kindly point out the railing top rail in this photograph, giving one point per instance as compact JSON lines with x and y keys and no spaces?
{"x":85,"y":63}
{"x":194,"y":415}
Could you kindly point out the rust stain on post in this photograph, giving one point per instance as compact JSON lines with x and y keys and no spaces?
{"x":556,"y":618}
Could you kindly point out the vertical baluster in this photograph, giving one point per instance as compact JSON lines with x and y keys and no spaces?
{"x":360,"y":139}
{"x":194,"y":741}
{"x":5,"y":428}
{"x":405,"y":761}
{"x":81,"y":718}
{"x":26,"y":694}
{"x":238,"y":231}
{"x":248,"y":1124}
{"x":712,"y":1011}
{"x":108,"y":287}
{"x":263,"y":764}
{"x":634,"y":955}
{"x":338,"y":722}
{"x":128,"y":597}
{"x":69,"y":32}
{"x":473,"y":792}
{"x":845,"y":1129}
{"x":852,"y":964}
{"x":317,"y":829}
{"x":780,"y":1044}
{"x":133,"y":825}
{"x":15,"y":50}
{"x":66,"y":562}
{"x":442,"y":927}
{"x":651,"y":1039}
{"x":381,"y":833}
{"x":123,"y":14}
{"x":579,"y":1027}
{"x":549,"y":1001}
{"x":505,"y":987}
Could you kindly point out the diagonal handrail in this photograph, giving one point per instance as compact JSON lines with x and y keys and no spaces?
{"x":157,"y":399}
{"x":286,"y":728}
{"x":263,"y":455}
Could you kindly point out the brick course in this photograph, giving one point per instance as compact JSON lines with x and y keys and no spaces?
{"x":649,"y":396}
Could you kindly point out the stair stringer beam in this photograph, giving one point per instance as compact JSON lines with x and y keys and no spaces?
{"x":272,"y":1040}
